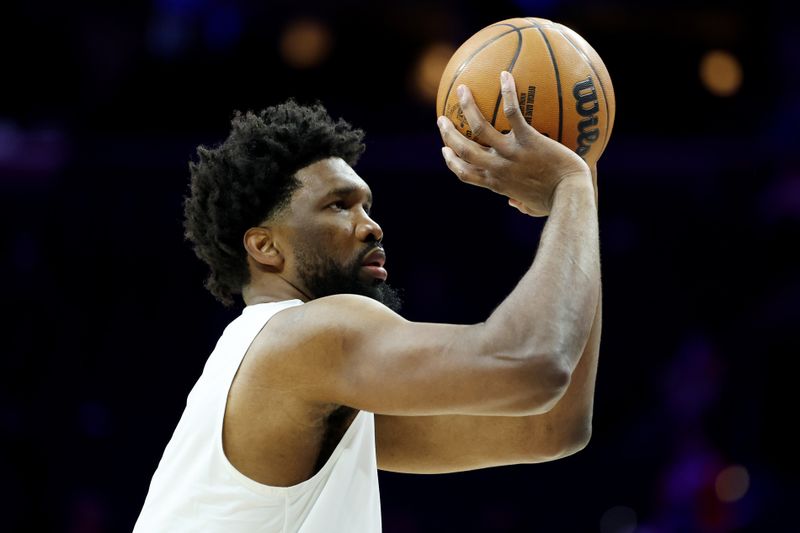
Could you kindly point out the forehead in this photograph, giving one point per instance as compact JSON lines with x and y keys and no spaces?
{"x":323,"y":177}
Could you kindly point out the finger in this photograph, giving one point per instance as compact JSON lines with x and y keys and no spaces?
{"x":465,"y":171}
{"x":516,"y":204}
{"x":511,"y":105}
{"x":482,"y":131}
{"x":522,"y":208}
{"x":519,"y":206}
{"x":466,"y":149}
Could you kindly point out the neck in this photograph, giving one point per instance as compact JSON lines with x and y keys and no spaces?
{"x":273,"y":288}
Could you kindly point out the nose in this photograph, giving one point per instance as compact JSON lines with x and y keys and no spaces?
{"x":368,"y":230}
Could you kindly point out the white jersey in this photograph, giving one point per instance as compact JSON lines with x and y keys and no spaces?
{"x":197,"y":489}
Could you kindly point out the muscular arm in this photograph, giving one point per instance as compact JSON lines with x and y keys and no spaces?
{"x":566,"y":275}
{"x":438,"y":444}
{"x":349,"y":350}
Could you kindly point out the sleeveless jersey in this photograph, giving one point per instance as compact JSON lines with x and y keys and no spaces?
{"x":195,"y":488}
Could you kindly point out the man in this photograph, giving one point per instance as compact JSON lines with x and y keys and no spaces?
{"x":320,"y":382}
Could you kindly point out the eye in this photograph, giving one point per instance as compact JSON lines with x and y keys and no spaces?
{"x":338,"y":205}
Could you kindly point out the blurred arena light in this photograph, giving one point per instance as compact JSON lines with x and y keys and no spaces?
{"x":305,"y":43}
{"x":732,"y":483}
{"x":721,"y":72}
{"x":428,"y":70}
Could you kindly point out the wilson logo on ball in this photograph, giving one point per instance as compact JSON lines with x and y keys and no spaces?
{"x":587,"y":106}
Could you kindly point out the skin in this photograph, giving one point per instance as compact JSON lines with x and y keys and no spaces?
{"x":516,"y":388}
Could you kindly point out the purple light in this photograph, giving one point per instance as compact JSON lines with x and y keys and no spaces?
{"x":30,"y":157}
{"x":781,"y":199}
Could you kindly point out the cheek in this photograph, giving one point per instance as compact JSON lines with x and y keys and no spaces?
{"x":329,"y":240}
{"x":337,"y":230}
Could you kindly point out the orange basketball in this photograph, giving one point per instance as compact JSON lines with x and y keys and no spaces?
{"x":563,"y":86}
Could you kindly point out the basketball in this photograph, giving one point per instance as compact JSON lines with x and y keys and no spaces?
{"x":563,"y":86}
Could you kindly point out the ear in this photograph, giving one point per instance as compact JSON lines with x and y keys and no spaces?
{"x":262,"y":248}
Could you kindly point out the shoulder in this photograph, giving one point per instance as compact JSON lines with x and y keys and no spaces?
{"x":321,"y":326}
{"x":339,"y":312}
{"x":307,"y":351}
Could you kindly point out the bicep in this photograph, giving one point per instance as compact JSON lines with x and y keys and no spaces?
{"x":357,"y":352}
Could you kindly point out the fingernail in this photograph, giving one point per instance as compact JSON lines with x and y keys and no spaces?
{"x":444,"y":152}
{"x":440,"y":122}
{"x":461,"y":91}
{"x":504,"y":78}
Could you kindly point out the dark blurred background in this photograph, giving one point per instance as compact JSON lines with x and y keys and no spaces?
{"x":108,"y":325}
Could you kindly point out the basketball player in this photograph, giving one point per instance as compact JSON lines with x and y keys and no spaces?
{"x":319,"y":382}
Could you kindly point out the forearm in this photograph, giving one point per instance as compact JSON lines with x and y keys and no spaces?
{"x":568,"y":425}
{"x":551,"y":310}
{"x":570,"y":420}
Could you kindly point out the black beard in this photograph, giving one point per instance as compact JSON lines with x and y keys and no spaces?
{"x":324,"y":277}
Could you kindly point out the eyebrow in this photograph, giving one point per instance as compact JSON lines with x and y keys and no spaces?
{"x":349,"y":190}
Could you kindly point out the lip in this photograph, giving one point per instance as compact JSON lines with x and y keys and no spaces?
{"x":373,"y":264}
{"x":375,"y":258}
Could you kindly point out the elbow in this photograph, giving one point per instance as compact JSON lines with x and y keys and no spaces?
{"x":549,"y":378}
{"x":559,"y":376}
{"x":560,"y":440}
{"x":576,"y":440}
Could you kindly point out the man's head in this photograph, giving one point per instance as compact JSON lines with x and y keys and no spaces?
{"x":278,"y":201}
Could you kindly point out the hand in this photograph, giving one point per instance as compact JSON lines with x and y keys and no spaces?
{"x":522,"y":164}
{"x":523,"y":209}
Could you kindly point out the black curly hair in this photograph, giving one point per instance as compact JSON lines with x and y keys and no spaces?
{"x":250,"y":178}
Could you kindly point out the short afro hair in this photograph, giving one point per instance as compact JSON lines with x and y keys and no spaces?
{"x":250,"y":178}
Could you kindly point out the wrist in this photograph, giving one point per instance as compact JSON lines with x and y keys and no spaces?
{"x":579,"y":183}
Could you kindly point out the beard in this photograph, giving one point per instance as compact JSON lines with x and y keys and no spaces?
{"x":323,"y":277}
